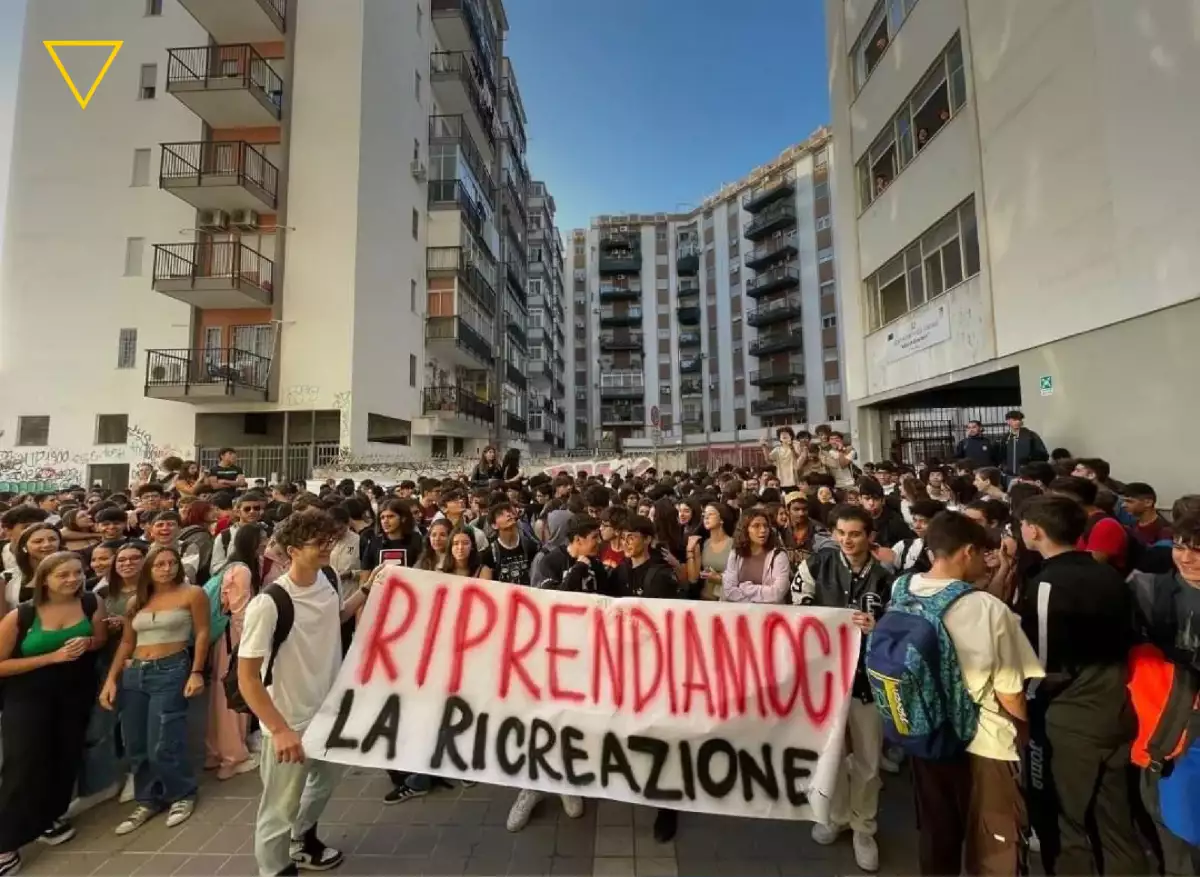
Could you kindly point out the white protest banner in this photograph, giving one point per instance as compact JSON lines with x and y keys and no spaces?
{"x":718,"y":707}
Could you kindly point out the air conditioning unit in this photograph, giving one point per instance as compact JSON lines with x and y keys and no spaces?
{"x":417,"y":168}
{"x":213,"y":220}
{"x":244,"y":220}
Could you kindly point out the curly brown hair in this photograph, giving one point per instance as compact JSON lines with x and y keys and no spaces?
{"x":304,"y":526}
{"x":741,"y":535}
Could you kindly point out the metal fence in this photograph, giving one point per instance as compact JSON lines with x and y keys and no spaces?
{"x":922,"y":434}
{"x":290,"y":462}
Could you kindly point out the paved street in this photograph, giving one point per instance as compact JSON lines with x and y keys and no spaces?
{"x":461,"y":831}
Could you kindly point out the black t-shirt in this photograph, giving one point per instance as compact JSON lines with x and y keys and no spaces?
{"x":227,"y":473}
{"x":370,"y":547}
{"x":509,"y":565}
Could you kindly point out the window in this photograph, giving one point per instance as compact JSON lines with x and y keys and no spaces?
{"x":535,"y":254}
{"x":416,"y":224}
{"x":579,"y":250}
{"x":148,"y":83}
{"x":936,"y":99}
{"x":417,"y":85}
{"x":127,"y":348}
{"x":535,"y":351}
{"x":825,"y":254}
{"x":824,"y":222}
{"x":664,"y":359}
{"x":828,"y":288}
{"x":535,"y":287}
{"x":154,"y":7}
{"x":412,"y":296}
{"x":535,"y":319}
{"x":134,"y":251}
{"x":141,"y":168}
{"x":944,"y":257}
{"x":820,"y":190}
{"x":412,"y":369}
{"x":829,"y":321}
{"x":664,"y":334}
{"x":833,"y":388}
{"x":33,"y":431}
{"x":873,"y":42}
{"x":830,"y":354}
{"x":112,"y":429}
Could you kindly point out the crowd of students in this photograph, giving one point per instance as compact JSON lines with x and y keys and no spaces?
{"x":1044,"y":580}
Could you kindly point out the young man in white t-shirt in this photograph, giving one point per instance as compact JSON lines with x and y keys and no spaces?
{"x":970,"y":809}
{"x":295,"y":788}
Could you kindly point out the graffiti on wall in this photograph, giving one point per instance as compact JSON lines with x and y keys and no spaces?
{"x":341,"y":401}
{"x":390,"y":470}
{"x":61,"y":467}
{"x":625,"y":467}
{"x":301,"y":395}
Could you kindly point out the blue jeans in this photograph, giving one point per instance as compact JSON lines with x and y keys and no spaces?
{"x":103,"y":763}
{"x":154,"y":723}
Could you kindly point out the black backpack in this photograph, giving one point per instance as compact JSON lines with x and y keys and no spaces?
{"x":27,"y":614}
{"x":286,"y":617}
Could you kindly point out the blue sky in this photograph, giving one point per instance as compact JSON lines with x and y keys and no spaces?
{"x":634,"y":105}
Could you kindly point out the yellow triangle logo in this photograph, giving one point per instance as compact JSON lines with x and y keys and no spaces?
{"x":51,"y":45}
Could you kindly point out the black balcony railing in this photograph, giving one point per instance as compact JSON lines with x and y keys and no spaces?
{"x":224,"y":67}
{"x":464,"y":67}
{"x":687,"y":288}
{"x":628,"y":341}
{"x":449,"y":401}
{"x":457,"y":330}
{"x":516,"y":377}
{"x":439,"y":260}
{"x":455,"y":194}
{"x":773,"y":251}
{"x":774,"y":280}
{"x":613,"y":317}
{"x":223,"y":261}
{"x":622,"y":261}
{"x":778,"y":216}
{"x":515,"y":327}
{"x":769,"y":191}
{"x":515,"y":423}
{"x":207,"y":367}
{"x":620,"y":240}
{"x":784,"y":405}
{"x":691,"y":388}
{"x":690,"y":365}
{"x":205,"y":162}
{"x":635,"y":415}
{"x":516,"y":194}
{"x":615,"y":292}
{"x":689,"y":315}
{"x":688,"y":261}
{"x":776,"y":342}
{"x":775,"y":373}
{"x":689,"y":339}
{"x":479,"y":25}
{"x":453,"y":129}
{"x":776,"y":311}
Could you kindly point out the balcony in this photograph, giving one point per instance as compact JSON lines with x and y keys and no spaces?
{"x":618,"y":261}
{"x":616,"y":292}
{"x":620,"y":240}
{"x":774,"y":280}
{"x":459,"y":342}
{"x":518,"y":277}
{"x":771,"y":374}
{"x":207,"y":375}
{"x":454,"y":260}
{"x":560,"y":414}
{"x":775,"y":218}
{"x":515,"y":423}
{"x":455,"y":195}
{"x":621,"y":341}
{"x":514,"y":325}
{"x":464,"y":25}
{"x":778,"y":250}
{"x":776,"y":342}
{"x":516,"y":377}
{"x":623,"y":415}
{"x":560,"y":389}
{"x":460,"y":89}
{"x":691,"y":388}
{"x":793,"y":403}
{"x":448,"y":401}
{"x":689,"y":339}
{"x":689,"y":315}
{"x":691,"y":365}
{"x":769,"y":191}
{"x":614,"y":317}
{"x":231,"y":21}
{"x":455,"y":130}
{"x":516,"y":196}
{"x":219,"y":175}
{"x":230,"y":86}
{"x":686,"y":288}
{"x":687,"y":259}
{"x":776,"y":311}
{"x":622,"y":385}
{"x":214,"y":275}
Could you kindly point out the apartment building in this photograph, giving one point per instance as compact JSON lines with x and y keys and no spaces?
{"x":547,"y":337}
{"x":723,"y":318}
{"x":235,"y":244}
{"x":1017,"y":224}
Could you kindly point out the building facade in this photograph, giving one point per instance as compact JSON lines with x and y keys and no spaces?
{"x":547,"y":329}
{"x":722,"y":319}
{"x":248,"y":252}
{"x":1016,"y":224}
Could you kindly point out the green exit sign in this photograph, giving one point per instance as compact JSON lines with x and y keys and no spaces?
{"x":1046,"y":385}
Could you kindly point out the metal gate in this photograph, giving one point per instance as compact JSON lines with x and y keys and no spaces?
{"x":924,"y":434}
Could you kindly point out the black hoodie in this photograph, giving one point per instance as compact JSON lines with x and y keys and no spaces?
{"x":557,"y":570}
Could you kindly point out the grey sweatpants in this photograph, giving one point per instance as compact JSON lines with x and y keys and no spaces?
{"x":293,"y":798}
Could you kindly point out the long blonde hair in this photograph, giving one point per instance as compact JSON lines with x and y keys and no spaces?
{"x":41,"y":591}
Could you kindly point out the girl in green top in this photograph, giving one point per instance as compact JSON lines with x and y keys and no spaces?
{"x":47,"y":662}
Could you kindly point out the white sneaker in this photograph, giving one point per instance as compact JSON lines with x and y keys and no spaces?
{"x":1034,"y":843}
{"x":228,"y":772}
{"x":572,"y":806}
{"x":254,"y":741}
{"x":866,"y":852}
{"x":126,"y":791}
{"x":826,"y":834}
{"x":87,"y":802}
{"x":180,"y":812}
{"x":522,"y":809}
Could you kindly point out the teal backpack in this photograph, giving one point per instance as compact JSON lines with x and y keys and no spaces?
{"x":218,"y":618}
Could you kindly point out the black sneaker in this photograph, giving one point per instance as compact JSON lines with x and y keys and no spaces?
{"x":665,"y":824}
{"x":400,"y":794}
{"x":310,"y":854}
{"x":59,"y":832}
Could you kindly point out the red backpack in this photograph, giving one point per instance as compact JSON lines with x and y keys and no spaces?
{"x":1166,"y":698}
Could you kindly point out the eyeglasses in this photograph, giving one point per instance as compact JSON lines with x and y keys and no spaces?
{"x":252,"y":508}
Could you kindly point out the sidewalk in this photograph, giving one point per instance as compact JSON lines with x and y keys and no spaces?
{"x":461,"y":831}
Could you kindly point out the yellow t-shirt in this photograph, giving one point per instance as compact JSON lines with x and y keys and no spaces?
{"x":994,"y":654}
